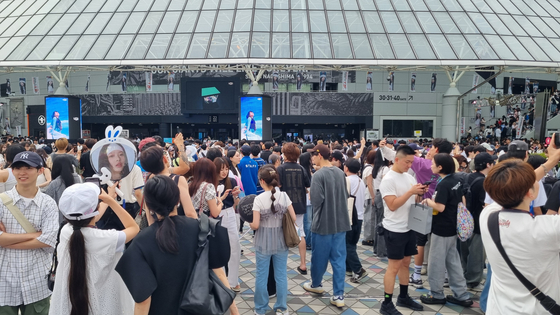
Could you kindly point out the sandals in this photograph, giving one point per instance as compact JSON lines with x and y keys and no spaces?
{"x":236,"y":289}
{"x":302,"y":271}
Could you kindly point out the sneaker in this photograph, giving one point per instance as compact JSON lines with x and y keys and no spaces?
{"x":408,"y":302}
{"x":349,"y":273}
{"x":281,"y":312}
{"x":367,"y":243}
{"x":477,"y":288}
{"x":272,"y":296}
{"x":359,"y":276}
{"x":415,"y":283}
{"x":309,"y":288}
{"x":454,"y":300}
{"x":424,"y":270}
{"x":446,"y":283}
{"x":430,"y":299}
{"x":337,"y":301}
{"x":389,"y":309}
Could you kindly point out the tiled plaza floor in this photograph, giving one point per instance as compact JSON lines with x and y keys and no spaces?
{"x":363,"y":298}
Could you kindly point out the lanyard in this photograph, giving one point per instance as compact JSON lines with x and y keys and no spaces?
{"x":440,"y":179}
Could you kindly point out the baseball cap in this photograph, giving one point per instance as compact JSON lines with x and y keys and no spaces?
{"x":144,"y":142}
{"x":484,"y":158}
{"x":79,"y":201}
{"x":518,"y":145}
{"x":487,"y":146}
{"x":337,"y":155}
{"x":323,"y":150}
{"x":246,"y":150}
{"x":415,"y":147}
{"x":30,"y":158}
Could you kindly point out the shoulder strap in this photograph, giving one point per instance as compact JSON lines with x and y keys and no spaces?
{"x":546,"y":301}
{"x":22,"y":220}
{"x":202,"y":196}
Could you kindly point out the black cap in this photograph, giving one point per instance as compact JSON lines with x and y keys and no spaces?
{"x":30,"y":158}
{"x":484,"y":158}
{"x":337,"y":155}
{"x":518,"y":145}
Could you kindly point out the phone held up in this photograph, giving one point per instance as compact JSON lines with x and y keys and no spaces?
{"x":93,"y":180}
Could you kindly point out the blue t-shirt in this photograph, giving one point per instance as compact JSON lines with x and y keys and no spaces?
{"x":249,"y":175}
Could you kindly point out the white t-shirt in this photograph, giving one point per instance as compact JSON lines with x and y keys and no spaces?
{"x":366,"y":172}
{"x":533,"y":245}
{"x":357,"y":189}
{"x":107,"y":292}
{"x":130,"y":183}
{"x":397,"y":184}
{"x":380,"y":174}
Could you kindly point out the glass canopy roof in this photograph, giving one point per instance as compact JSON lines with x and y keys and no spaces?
{"x":93,"y":30}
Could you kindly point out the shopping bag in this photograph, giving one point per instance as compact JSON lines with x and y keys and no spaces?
{"x":420,"y":218}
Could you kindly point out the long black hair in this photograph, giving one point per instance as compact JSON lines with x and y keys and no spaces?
{"x":233,"y":168}
{"x":62,"y":166}
{"x":270,"y":176}
{"x":305,"y":161}
{"x":77,"y":279}
{"x":162,"y":196}
{"x":378,"y":163}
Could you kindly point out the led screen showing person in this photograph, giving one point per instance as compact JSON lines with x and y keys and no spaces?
{"x":251,"y":118}
{"x":57,"y":115}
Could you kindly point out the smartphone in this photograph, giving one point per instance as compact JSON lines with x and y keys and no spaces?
{"x":428,"y":183}
{"x":93,"y":180}
{"x":556,"y":139}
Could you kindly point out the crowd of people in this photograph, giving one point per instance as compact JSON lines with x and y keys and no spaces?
{"x":335,"y":192}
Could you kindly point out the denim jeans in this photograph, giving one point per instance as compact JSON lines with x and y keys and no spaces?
{"x":331,"y":247}
{"x":280,"y":262}
{"x":307,"y":219}
{"x":352,"y":238}
{"x":486,"y":290}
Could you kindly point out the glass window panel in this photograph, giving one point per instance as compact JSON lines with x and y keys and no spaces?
{"x":10,"y":7}
{"x":401,"y":5}
{"x":262,"y":20}
{"x":336,"y":22}
{"x":199,"y":45}
{"x":62,"y":6}
{"x":3,"y":41}
{"x":441,"y":46}
{"x":467,"y":5}
{"x":117,"y":21}
{"x":428,"y":22}
{"x":373,"y":22}
{"x":210,"y":4}
{"x":349,"y":4}
{"x":510,"y":22}
{"x":139,"y":47}
{"x":205,"y":21}
{"x":548,"y":48}
{"x":481,"y":5}
{"x":551,"y":23}
{"x":44,"y":47}
{"x":260,"y":45}
{"x":245,"y":4}
{"x":219,"y":45}
{"x":98,"y":23}
{"x":332,"y":4}
{"x":422,"y":49}
{"x":283,"y":4}
{"x":25,"y":47}
{"x":384,"y":5}
{"x":300,"y":46}
{"x":15,"y":26}
{"x":159,"y":46}
{"x":381,"y":46}
{"x":401,"y":46}
{"x":523,"y":7}
{"x":227,"y":4}
{"x":9,"y":47}
{"x":533,"y":48}
{"x":177,"y":5}
{"x":82,"y":46}
{"x":497,"y":7}
{"x":143,"y":5}
{"x":481,"y":23}
{"x":299,"y":21}
{"x":464,"y":23}
{"x":33,"y":21}
{"x":169,"y":22}
{"x":539,"y":8}
{"x":554,"y":41}
{"x":81,"y":23}
{"x":481,"y":47}
{"x":461,"y":47}
{"x":32,"y":10}
{"x":3,"y":5}
{"x":160,"y":5}
{"x":178,"y":47}
{"x":225,"y":19}
{"x":62,"y":48}
{"x":409,"y":21}
{"x":392,"y":24}
{"x":367,"y":5}
{"x":452,"y":5}
{"x":120,"y":47}
{"x":446,"y":23}
{"x":49,"y":5}
{"x":266,"y":4}
{"x":100,"y":48}
{"x":281,"y":45}
{"x":281,"y":21}
{"x":508,"y":5}
{"x":45,"y":25}
{"x":5,"y":24}
{"x":418,"y":5}
{"x":317,"y":18}
{"x":435,"y":5}
{"x":63,"y":24}
{"x":500,"y":47}
{"x":127,"y":6}
{"x":361,"y":46}
{"x":186,"y":25}
{"x":520,"y":52}
{"x":298,"y":4}
{"x":341,"y":46}
{"x":239,"y":45}
{"x":242,"y":21}
{"x":111,"y":6}
{"x":321,"y":46}
{"x":355,"y":24}
{"x":151,"y":23}
{"x":193,"y":4}
{"x":546,"y":28}
{"x":555,"y":4}
{"x":23,"y":6}
{"x":498,"y":25}
{"x":528,"y":26}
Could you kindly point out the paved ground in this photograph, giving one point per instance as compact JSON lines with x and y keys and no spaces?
{"x":363,"y":298}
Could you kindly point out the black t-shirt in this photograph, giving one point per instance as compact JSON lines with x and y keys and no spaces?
{"x":265,"y":155}
{"x":149,"y":271}
{"x":553,"y":201}
{"x":294,"y":181}
{"x":85,"y":164}
{"x":478,"y":194}
{"x":448,"y":192}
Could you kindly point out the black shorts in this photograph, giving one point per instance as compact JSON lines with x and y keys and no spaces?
{"x":421,"y":239}
{"x":400,"y":245}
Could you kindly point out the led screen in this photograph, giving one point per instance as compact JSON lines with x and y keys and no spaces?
{"x":57,"y":117}
{"x":251,"y":118}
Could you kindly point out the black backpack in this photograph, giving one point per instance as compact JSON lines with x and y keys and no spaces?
{"x":468,"y":194}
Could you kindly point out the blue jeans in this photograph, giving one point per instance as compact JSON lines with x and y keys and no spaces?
{"x":307,"y":219}
{"x":280,"y":263}
{"x":484,"y":293}
{"x":327,"y":248}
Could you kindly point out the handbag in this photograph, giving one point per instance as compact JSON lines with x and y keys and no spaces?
{"x":465,"y":223}
{"x":204,"y":292}
{"x":22,"y":220}
{"x":494,"y":228}
{"x":290,"y":232}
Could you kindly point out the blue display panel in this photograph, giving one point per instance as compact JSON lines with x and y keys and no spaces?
{"x":57,"y":117}
{"x":251,"y":118}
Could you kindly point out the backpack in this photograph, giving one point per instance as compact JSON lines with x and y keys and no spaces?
{"x":468,"y":193}
{"x":465,"y":223}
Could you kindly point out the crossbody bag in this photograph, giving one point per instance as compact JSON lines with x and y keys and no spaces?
{"x":22,"y":220}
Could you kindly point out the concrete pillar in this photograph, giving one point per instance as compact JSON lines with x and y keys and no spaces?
{"x":164,"y":130}
{"x":449,"y":113}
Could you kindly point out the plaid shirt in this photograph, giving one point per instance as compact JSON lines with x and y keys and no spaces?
{"x":23,"y":272}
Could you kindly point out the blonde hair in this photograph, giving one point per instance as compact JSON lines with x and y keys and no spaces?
{"x":61,"y":144}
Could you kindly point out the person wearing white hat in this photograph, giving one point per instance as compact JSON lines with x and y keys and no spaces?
{"x":86,"y":280}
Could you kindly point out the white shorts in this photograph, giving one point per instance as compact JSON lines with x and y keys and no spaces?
{"x":299,"y":225}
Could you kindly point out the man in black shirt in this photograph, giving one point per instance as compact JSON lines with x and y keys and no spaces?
{"x":472,"y":251}
{"x":265,"y":154}
{"x":85,"y":163}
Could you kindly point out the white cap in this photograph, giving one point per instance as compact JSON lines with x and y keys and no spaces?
{"x":79,"y":201}
{"x":114,"y":147}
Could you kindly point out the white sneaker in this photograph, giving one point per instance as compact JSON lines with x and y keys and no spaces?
{"x":319,"y":289}
{"x":280,"y":312}
{"x":478,"y":288}
{"x":337,"y":301}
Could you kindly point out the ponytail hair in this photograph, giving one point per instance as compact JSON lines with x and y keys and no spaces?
{"x":77,"y":279}
{"x":269,"y":175}
{"x":161,"y":195}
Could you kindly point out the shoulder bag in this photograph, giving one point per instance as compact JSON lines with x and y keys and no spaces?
{"x":289,"y":228}
{"x":22,"y":220}
{"x":546,"y":301}
{"x":52,"y":272}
